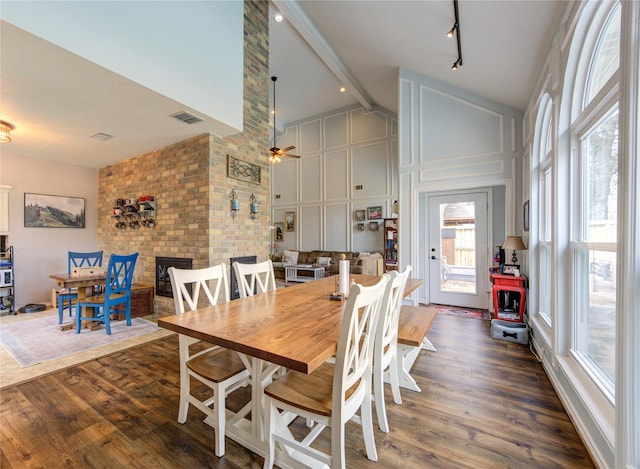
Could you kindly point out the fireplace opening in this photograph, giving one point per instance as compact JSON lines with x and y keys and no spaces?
{"x":163,"y":281}
{"x":233,"y":280}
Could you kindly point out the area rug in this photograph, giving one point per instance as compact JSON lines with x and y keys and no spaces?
{"x":463,"y":312}
{"x":39,"y":340}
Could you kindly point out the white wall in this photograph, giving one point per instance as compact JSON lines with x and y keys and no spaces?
{"x":340,"y":150}
{"x":171,"y":38}
{"x":451,"y":140}
{"x":40,"y":252}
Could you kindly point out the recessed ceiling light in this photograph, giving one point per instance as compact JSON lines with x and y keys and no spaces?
{"x":278,"y":17}
{"x":342,"y":89}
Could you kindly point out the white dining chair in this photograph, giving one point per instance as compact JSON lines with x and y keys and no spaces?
{"x":333,"y":393}
{"x":254,"y":278}
{"x":219,"y":368}
{"x":385,"y":353}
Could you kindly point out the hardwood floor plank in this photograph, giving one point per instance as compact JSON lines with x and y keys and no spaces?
{"x":484,"y":404}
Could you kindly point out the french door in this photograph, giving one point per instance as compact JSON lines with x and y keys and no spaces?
{"x":458,"y":249}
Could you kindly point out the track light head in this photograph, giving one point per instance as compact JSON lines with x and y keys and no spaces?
{"x":456,"y":30}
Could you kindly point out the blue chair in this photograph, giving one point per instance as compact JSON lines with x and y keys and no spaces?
{"x":117,"y":292}
{"x":67,"y":296}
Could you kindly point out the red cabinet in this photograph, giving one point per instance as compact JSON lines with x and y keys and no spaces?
{"x":509,"y":297}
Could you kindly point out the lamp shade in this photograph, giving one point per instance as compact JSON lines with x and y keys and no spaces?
{"x":514,"y":243}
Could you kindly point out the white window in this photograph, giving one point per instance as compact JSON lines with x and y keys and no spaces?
{"x":593,"y":239}
{"x":545,"y":207}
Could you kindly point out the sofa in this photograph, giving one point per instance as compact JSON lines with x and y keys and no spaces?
{"x":359,"y":263}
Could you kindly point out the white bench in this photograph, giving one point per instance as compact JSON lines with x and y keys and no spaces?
{"x":413,"y":324}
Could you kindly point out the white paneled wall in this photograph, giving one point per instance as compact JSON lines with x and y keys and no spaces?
{"x":348,"y":162}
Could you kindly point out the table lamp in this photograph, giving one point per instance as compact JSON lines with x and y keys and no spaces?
{"x":514,"y":243}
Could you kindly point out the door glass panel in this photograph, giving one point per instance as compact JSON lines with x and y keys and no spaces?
{"x":458,"y":247}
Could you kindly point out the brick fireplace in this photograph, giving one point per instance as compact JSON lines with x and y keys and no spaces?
{"x":191,"y":188}
{"x":163,"y":281}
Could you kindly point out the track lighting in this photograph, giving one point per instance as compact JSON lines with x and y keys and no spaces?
{"x":456,"y":30}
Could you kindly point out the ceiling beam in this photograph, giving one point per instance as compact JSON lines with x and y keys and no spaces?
{"x":301,"y":23}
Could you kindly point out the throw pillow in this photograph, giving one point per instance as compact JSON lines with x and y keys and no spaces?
{"x":290,"y":257}
{"x":324,"y":260}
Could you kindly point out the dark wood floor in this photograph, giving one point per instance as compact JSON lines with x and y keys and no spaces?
{"x":484,"y":404}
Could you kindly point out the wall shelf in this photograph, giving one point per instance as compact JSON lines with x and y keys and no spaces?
{"x":133,"y":214}
{"x":7,"y":288}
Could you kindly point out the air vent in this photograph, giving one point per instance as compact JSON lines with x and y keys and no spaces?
{"x":187,"y":118}
{"x":101,"y":136}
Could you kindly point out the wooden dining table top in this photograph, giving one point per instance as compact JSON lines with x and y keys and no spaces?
{"x":296,"y":327}
{"x":71,"y":281}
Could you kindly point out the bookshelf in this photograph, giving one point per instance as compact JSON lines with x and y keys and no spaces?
{"x":390,"y":243}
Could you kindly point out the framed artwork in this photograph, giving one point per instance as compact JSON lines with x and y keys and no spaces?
{"x":53,"y":211}
{"x":525,"y":215}
{"x":510,"y":269}
{"x":373,"y":225}
{"x":290,"y":221}
{"x":360,"y":215}
{"x":361,"y":225}
{"x":278,"y":232}
{"x":374,"y":213}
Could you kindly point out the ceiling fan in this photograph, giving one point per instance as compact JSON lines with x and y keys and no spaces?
{"x":276,"y":153}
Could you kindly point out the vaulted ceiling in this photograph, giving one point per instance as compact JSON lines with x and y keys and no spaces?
{"x":320,"y":46}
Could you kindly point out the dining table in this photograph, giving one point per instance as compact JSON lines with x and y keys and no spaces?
{"x":85,"y":285}
{"x":296,"y":327}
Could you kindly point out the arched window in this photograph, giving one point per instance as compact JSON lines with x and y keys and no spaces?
{"x":594,"y":205}
{"x":545,"y":209}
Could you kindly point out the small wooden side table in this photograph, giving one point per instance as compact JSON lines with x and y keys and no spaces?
{"x":509,"y":297}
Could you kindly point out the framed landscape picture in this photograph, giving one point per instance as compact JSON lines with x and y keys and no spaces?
{"x":53,"y":211}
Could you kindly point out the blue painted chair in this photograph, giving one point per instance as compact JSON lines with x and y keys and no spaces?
{"x":117,"y":292}
{"x":67,"y":296}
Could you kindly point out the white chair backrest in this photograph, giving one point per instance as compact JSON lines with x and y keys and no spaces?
{"x":390,"y":312}
{"x":258,"y":278}
{"x":355,"y":346}
{"x":213,"y":281}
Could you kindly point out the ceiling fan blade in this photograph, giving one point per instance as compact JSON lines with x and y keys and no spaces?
{"x":284,"y":150}
{"x":287,"y":155}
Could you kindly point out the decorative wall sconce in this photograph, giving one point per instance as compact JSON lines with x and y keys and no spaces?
{"x":254,"y":207}
{"x":234,"y":203}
